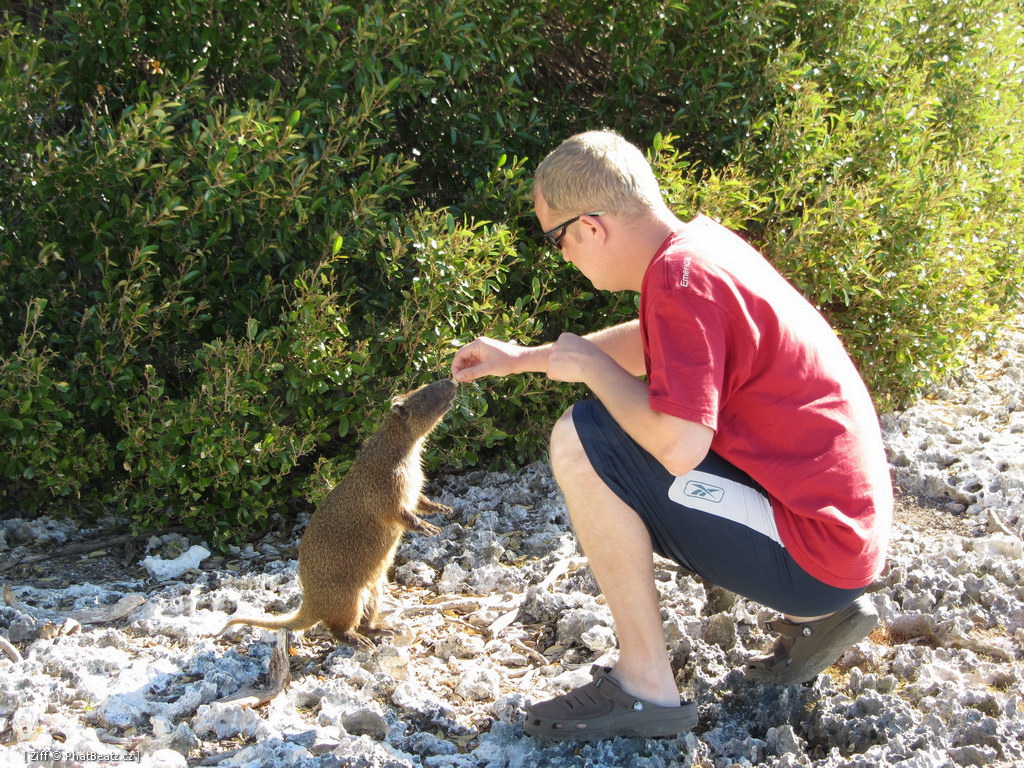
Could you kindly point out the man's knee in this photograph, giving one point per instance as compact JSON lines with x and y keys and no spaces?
{"x":565,"y":443}
{"x":566,"y":450}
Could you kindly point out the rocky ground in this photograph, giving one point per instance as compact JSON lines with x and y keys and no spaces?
{"x":120,"y":661}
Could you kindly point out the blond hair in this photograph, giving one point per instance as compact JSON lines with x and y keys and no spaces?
{"x":597,"y":171}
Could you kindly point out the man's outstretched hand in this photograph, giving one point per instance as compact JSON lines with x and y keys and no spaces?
{"x":488,"y":357}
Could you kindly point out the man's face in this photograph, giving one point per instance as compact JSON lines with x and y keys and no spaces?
{"x":575,"y":247}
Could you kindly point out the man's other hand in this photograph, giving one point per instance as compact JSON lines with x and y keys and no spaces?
{"x":573,"y":358}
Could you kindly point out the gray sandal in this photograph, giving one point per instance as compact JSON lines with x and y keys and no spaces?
{"x":803,"y":650}
{"x":601,"y":709}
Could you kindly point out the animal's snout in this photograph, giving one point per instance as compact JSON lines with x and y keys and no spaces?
{"x":447,"y":388}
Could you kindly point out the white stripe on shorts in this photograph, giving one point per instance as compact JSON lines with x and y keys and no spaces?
{"x":726,"y":498}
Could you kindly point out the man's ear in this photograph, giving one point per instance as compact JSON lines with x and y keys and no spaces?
{"x":595,"y":228}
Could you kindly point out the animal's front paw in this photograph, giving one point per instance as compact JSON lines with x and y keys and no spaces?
{"x":428,"y":528}
{"x":428,"y":507}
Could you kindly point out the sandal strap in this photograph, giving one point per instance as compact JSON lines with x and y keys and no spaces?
{"x":788,"y":628}
{"x":611,"y":690}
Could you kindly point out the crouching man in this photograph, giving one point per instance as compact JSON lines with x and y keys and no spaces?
{"x":751,"y":454}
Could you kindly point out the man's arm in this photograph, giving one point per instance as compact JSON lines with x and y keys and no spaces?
{"x":623,"y":344}
{"x":490,"y":357}
{"x":605,"y":361}
{"x":679,"y":445}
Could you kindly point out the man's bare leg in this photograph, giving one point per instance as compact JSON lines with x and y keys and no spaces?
{"x":618,"y":548}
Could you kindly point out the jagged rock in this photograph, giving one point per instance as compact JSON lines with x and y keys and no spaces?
{"x":365,"y":722}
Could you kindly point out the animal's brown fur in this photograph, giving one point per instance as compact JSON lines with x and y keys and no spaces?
{"x":350,"y":543}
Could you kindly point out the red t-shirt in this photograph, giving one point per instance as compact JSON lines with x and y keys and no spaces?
{"x":730,"y":344}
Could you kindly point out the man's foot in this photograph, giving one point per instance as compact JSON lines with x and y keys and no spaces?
{"x":803,"y":650}
{"x":601,"y":710}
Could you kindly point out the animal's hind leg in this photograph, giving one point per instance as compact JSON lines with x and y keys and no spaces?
{"x":342,"y":618}
{"x":371,"y":608}
{"x":354,"y":638}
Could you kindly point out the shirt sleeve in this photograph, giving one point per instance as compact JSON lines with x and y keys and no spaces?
{"x":687,"y":355}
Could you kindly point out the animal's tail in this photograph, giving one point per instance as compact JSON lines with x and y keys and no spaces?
{"x":301,"y":619}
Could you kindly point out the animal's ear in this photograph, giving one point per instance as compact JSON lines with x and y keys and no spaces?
{"x":398,"y":404}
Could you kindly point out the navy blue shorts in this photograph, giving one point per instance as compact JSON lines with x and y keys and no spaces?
{"x":716,"y":521}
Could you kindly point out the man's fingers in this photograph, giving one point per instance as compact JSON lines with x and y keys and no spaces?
{"x":465,"y":359}
{"x":467,"y":368}
{"x":474,"y":368}
{"x":463,"y":375}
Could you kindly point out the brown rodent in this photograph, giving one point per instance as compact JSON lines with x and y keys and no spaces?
{"x":350,"y":542}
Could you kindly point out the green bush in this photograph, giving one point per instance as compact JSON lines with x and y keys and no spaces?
{"x":230,"y":232}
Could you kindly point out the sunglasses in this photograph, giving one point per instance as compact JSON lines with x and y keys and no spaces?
{"x":556,"y":241}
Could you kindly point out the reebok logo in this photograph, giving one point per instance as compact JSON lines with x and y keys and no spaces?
{"x":703,"y":491}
